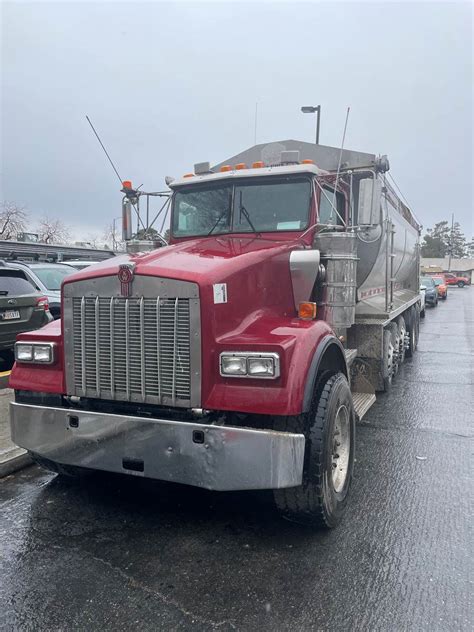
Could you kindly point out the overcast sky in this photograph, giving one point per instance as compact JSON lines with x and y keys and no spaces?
{"x":171,"y":84}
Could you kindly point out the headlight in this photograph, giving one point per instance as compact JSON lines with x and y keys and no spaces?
{"x":233,"y":365}
{"x":23,"y":353}
{"x":249,"y":364}
{"x":261,"y":367}
{"x":34,"y":352}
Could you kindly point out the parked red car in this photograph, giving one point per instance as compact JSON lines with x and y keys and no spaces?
{"x":454,"y":279}
{"x":441,"y":285}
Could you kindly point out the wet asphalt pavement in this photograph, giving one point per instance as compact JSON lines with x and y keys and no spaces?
{"x":120,"y":553}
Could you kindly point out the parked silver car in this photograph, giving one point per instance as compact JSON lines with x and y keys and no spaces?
{"x":46,"y":278}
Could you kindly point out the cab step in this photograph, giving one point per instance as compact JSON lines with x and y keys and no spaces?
{"x":362,"y":403}
{"x":351,"y":355}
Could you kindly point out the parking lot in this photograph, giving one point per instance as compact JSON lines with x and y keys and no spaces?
{"x":121,"y":553}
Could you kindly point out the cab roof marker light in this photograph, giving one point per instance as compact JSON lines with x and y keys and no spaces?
{"x":225,"y":168}
{"x":188,"y":175}
{"x":307,"y":161}
{"x":240,"y":165}
{"x":259,"y":164}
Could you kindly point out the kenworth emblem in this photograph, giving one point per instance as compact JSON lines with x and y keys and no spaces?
{"x":125,"y":276}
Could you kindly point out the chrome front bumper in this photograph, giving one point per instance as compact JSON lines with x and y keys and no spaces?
{"x":213,"y":457}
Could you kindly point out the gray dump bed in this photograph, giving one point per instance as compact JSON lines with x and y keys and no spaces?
{"x":323,"y":156}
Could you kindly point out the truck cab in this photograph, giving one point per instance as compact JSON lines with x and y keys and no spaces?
{"x":224,"y":360}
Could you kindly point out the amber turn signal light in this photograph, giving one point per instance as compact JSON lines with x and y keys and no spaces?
{"x":307,"y":311}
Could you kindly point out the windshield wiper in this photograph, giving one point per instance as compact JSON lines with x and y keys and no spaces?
{"x":226,"y":210}
{"x":243,"y":211}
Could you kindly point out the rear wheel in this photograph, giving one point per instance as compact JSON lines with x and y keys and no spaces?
{"x":412,"y":317}
{"x":393,"y":328}
{"x":402,"y":332}
{"x":388,"y":360}
{"x":461,"y":284}
{"x":422,"y":313}
{"x":329,"y":429}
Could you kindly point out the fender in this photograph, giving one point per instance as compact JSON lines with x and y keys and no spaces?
{"x":326,"y":343}
{"x":302,"y":346}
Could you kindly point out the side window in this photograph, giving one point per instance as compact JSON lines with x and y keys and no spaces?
{"x":327,"y":214}
{"x":29,"y":278}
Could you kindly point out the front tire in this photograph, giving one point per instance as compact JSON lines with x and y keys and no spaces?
{"x":461,"y":284}
{"x":329,"y":428}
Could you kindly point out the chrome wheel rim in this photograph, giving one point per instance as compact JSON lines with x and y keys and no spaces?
{"x":390,"y":362}
{"x":341,"y":448}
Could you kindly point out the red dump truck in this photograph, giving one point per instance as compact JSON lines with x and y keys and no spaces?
{"x":241,"y":355}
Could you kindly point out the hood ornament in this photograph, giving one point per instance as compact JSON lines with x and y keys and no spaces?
{"x":125,"y":275}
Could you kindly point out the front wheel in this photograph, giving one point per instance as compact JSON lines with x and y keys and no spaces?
{"x":461,"y":284}
{"x":329,"y":429}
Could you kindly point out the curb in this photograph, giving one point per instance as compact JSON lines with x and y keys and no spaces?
{"x":14,"y":460}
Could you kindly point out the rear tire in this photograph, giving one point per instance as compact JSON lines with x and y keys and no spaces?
{"x":63,"y":470}
{"x":321,"y":498}
{"x":422,"y":313}
{"x":461,"y":284}
{"x":402,"y":330}
{"x":387,"y":360}
{"x":412,"y":317}
{"x":394,"y":332}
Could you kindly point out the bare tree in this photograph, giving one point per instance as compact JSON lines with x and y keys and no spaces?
{"x":113,"y":236}
{"x":52,"y":231}
{"x":13,"y":219}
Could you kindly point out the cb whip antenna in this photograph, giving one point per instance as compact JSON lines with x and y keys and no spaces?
{"x":105,"y":151}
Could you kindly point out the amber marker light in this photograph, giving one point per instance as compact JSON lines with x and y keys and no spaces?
{"x":258,"y":165}
{"x":225,"y":168}
{"x":307,"y":311}
{"x":307,"y":161}
{"x":188,"y":175}
{"x":240,"y":165}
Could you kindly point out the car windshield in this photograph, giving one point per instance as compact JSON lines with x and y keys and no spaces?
{"x":254,"y":205}
{"x":51,"y":277}
{"x":426,"y":281}
{"x":438,"y":281}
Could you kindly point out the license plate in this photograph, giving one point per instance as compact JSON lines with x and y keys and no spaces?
{"x":11,"y":314}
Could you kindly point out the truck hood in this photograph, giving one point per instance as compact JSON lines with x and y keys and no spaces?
{"x":203,"y":261}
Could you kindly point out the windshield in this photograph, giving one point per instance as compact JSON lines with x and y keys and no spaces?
{"x":51,"y":278}
{"x":426,"y":281}
{"x":438,"y":281}
{"x":256,"y":205}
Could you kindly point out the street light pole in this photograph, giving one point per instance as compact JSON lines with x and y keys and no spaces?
{"x":314,"y":109}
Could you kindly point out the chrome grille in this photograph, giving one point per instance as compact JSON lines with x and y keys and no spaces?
{"x":132,"y":349}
